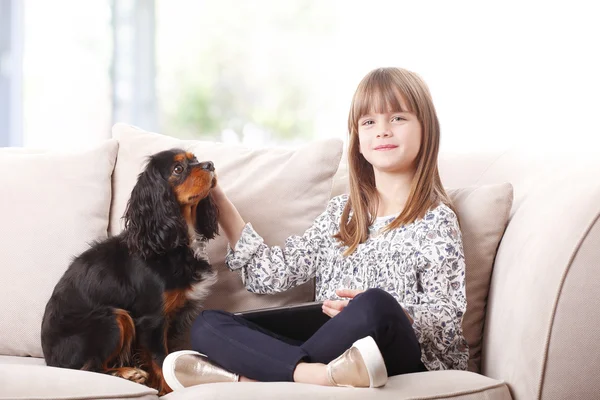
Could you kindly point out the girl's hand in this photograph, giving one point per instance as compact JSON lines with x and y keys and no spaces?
{"x":217,"y":193}
{"x":334,"y":307}
{"x":230,"y":219}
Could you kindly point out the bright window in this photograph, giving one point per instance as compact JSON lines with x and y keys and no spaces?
{"x":66,"y":72}
{"x":283,"y":72}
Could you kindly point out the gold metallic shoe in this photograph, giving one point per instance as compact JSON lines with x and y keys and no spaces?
{"x":186,"y":368}
{"x":360,"y":366}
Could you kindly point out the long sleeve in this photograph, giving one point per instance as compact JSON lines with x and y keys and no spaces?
{"x":439,"y":303}
{"x":266,"y":269}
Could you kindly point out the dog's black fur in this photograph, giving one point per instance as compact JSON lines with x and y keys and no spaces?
{"x":128,"y":300}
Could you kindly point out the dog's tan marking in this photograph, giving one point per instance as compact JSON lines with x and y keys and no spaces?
{"x":122,"y":353}
{"x":188,"y":212}
{"x":195,"y":187}
{"x":155,"y":377}
{"x":174,"y":300}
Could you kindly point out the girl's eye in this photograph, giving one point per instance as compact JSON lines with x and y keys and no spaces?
{"x":368,"y":122}
{"x":397,"y":118}
{"x":178,"y":169}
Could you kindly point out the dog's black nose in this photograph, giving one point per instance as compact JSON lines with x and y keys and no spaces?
{"x":207,"y":165}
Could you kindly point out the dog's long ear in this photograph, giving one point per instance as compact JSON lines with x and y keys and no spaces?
{"x":207,"y":218}
{"x":153,"y":221}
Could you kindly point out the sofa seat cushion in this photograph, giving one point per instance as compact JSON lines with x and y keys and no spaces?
{"x":22,"y":360}
{"x":30,"y":381}
{"x":456,"y":385}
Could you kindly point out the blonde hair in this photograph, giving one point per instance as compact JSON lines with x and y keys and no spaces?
{"x":381,"y":91}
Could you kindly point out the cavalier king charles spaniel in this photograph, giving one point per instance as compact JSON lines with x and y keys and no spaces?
{"x":126,"y":302}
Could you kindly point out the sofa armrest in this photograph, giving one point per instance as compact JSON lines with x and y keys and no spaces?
{"x":543,"y":308}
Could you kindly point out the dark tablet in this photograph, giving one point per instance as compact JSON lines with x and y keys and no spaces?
{"x":297,"y":321}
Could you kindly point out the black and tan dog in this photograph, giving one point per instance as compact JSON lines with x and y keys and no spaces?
{"x":125,"y":302}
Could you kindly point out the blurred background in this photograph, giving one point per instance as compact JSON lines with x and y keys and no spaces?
{"x":273,"y":72}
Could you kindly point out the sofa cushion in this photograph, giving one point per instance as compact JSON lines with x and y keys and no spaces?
{"x":22,"y":360}
{"x":455,"y":385}
{"x":22,"y":381}
{"x":52,"y":206}
{"x":483,"y":213}
{"x":280,"y":191}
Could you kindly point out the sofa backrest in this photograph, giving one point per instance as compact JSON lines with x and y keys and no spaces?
{"x":52,"y":205}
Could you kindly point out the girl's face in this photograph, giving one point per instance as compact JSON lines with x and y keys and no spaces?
{"x":390,"y":141}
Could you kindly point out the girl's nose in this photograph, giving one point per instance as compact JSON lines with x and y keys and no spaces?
{"x":385,"y":132}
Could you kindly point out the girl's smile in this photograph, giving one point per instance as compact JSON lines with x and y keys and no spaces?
{"x":386,"y":147}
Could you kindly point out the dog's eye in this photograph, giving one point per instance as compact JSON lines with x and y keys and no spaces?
{"x":178,"y":169}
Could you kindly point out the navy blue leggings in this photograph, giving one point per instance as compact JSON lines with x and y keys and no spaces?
{"x":245,"y":348}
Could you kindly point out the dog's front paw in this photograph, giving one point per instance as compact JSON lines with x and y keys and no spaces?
{"x":132,"y":374}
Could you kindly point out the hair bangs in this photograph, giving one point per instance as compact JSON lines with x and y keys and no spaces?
{"x":381,"y":93}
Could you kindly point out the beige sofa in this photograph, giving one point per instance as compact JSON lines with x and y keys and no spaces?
{"x":533,"y":318}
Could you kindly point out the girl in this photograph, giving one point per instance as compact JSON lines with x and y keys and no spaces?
{"x":388,"y":261}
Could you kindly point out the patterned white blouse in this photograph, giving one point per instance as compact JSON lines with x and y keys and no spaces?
{"x":421,"y":264}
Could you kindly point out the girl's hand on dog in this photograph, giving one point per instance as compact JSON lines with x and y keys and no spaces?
{"x":334,"y":307}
